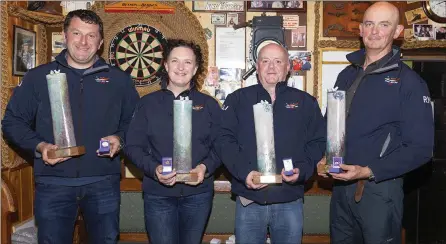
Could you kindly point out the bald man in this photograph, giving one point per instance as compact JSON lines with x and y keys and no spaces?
{"x":299,"y":135}
{"x":389,"y":132}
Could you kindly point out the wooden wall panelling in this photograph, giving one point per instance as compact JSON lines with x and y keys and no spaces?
{"x":22,"y":180}
{"x":8,"y":211}
{"x":16,"y":170}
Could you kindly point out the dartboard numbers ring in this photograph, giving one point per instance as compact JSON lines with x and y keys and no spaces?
{"x":138,"y":50}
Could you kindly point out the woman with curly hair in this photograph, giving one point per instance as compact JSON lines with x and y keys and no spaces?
{"x":175,"y":212}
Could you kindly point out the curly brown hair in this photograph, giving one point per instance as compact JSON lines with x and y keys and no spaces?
{"x":174,"y":43}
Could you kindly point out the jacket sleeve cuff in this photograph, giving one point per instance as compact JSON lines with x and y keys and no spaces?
{"x":305,"y":172}
{"x":302,"y":177}
{"x":152,"y":170}
{"x":211,"y":166}
{"x":120,"y":135}
{"x":36,"y":153}
{"x":375,"y":170}
{"x":243,"y":173}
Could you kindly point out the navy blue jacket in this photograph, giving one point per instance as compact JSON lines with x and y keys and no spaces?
{"x":150,"y":137}
{"x":102,"y":103}
{"x":390,"y":125}
{"x":299,"y":133}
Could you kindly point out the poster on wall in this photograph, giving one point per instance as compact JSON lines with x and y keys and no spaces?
{"x":24,"y":51}
{"x":230,"y":47}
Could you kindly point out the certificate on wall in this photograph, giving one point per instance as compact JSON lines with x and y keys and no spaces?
{"x":230,"y":47}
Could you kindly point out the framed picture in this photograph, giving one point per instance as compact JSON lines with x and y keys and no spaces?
{"x":232,"y":19}
{"x":24,"y":51}
{"x":57,"y":42}
{"x":218,"y":19}
{"x":277,"y":6}
{"x":218,"y":6}
{"x":299,"y":37}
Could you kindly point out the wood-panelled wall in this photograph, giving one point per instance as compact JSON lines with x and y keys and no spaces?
{"x":14,"y":169}
{"x":22,"y":179}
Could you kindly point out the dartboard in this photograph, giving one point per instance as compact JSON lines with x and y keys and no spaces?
{"x":138,"y":50}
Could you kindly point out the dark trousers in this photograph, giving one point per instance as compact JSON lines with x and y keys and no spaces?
{"x":177,"y":220}
{"x":56,"y":209}
{"x":375,"y":219}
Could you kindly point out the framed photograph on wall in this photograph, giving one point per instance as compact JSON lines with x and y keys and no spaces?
{"x":218,"y":19}
{"x":299,"y":37}
{"x":277,"y":6}
{"x":57,"y":43}
{"x":24,"y":51}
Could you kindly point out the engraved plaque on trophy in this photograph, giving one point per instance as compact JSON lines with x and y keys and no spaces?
{"x":63,"y":129}
{"x":266,"y":155}
{"x":335,"y":130}
{"x":182,"y":140}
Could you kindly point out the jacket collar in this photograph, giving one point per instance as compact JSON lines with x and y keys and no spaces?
{"x":99,"y":64}
{"x":281,"y":86}
{"x":388,"y":62}
{"x":187,"y":92}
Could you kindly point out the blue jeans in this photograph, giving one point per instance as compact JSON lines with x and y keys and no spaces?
{"x":285,"y":222}
{"x":56,"y":209}
{"x":177,"y":220}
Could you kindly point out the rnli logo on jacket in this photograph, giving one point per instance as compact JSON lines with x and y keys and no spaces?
{"x":391,"y":81}
{"x":291,"y":105}
{"x":198,"y":107}
{"x":102,"y":79}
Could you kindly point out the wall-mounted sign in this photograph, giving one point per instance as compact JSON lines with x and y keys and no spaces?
{"x":146,"y":7}
{"x":219,"y":6}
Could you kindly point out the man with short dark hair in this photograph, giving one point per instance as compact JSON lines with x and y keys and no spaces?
{"x":389,"y":132}
{"x":102,"y":100}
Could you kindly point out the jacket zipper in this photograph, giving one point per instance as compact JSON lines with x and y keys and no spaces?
{"x":80,"y":117}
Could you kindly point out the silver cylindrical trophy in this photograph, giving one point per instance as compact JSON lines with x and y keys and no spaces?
{"x":266,"y":155}
{"x":336,"y":112}
{"x":182,"y":139}
{"x":62,"y":120}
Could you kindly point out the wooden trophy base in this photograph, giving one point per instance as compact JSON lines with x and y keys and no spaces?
{"x":66,"y":152}
{"x":188,"y":177}
{"x":267,"y":179}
